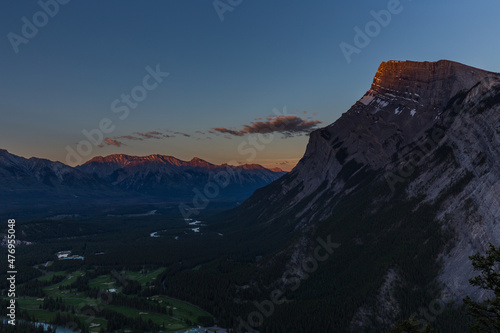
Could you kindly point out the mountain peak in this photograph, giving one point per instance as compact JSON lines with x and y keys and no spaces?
{"x":122,"y":160}
{"x":413,"y":76}
{"x":198,"y":162}
{"x":251,"y":166}
{"x":116,"y":158}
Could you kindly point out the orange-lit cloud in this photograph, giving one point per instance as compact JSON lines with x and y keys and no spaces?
{"x":140,"y":136}
{"x":288,"y":126}
{"x":152,"y":135}
{"x":183,"y":134}
{"x":111,"y":142}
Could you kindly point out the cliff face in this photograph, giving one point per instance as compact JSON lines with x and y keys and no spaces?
{"x":431,"y":133}
{"x":472,"y":211}
{"x":430,"y":81}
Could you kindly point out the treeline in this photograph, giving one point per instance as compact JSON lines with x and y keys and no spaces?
{"x":130,"y":287}
{"x":139,"y":304}
{"x":70,"y":320}
{"x":34,"y":288}
{"x":20,"y":313}
{"x":56,"y":304}
{"x":25,"y":322}
{"x":117,"y":321}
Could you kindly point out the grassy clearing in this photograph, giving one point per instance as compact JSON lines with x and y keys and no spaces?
{"x":144,"y":277}
{"x":182,"y":312}
{"x":49,"y":276}
{"x":171,"y":323}
{"x":103,"y":282}
{"x":182,"y":309}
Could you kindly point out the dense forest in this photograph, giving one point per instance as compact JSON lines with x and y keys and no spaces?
{"x":127,"y":272}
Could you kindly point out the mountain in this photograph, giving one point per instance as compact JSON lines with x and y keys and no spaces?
{"x":407,"y":181}
{"x":17,"y":171}
{"x":170,"y":177}
{"x":35,"y":184}
{"x":406,"y":99}
{"x":23,"y":178}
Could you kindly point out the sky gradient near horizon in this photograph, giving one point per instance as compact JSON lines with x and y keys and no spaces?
{"x":227,"y":79}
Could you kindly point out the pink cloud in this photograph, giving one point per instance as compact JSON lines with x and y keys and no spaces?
{"x":286,"y":125}
{"x":111,"y":142}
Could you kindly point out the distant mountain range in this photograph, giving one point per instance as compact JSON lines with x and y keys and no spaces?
{"x":167,"y":176}
{"x":407,"y":181}
{"x":34,"y":181}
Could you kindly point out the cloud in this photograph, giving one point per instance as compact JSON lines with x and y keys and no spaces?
{"x":127,"y":137}
{"x":152,"y":135}
{"x":184,"y":134}
{"x":228,"y":131}
{"x":111,"y":142}
{"x":288,"y":126}
{"x":140,"y":136}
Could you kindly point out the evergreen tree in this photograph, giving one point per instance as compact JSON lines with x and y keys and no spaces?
{"x":486,"y":313}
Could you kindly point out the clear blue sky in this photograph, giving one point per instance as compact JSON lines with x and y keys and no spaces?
{"x":226,"y":74}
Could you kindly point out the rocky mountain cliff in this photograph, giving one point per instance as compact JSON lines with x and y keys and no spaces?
{"x":407,"y":180}
{"x":406,"y":99}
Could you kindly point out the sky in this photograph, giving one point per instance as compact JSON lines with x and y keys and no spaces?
{"x":235,"y":81}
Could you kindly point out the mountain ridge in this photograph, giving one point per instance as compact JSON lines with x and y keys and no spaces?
{"x":124,"y":160}
{"x":115,"y":177}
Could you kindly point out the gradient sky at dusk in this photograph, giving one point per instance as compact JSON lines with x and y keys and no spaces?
{"x":264,"y":55}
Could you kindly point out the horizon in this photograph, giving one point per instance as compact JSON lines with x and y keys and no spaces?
{"x":196,"y":81}
{"x":230,"y":163}
{"x":285,"y":168}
